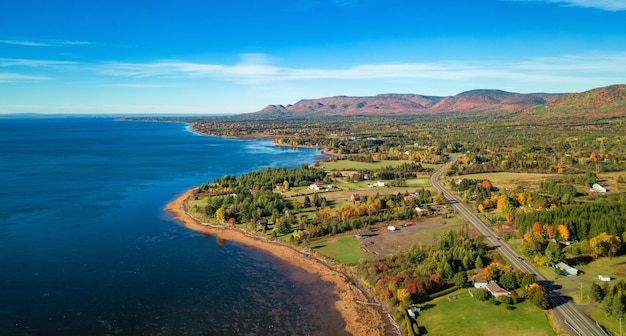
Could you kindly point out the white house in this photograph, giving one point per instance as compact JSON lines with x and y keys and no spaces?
{"x":604,"y":277}
{"x":380,"y":183}
{"x":480,"y":284}
{"x":314,"y":186}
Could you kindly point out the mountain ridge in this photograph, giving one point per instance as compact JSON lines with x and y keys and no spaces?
{"x":482,"y":100}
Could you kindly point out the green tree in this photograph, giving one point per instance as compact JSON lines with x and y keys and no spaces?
{"x":596,"y":292}
{"x":527,"y":280}
{"x":482,"y":295}
{"x":478,"y":263}
{"x":509,"y":280}
{"x":460,"y":279}
{"x":307,"y":201}
{"x":554,"y":253}
{"x":283,"y":226}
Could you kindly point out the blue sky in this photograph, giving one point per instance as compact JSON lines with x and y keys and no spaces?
{"x":203,"y":57}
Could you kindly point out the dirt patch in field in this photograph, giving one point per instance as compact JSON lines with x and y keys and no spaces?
{"x":421,"y":232}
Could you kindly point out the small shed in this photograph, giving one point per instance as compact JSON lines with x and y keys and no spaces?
{"x":365,"y":234}
{"x":604,"y":277}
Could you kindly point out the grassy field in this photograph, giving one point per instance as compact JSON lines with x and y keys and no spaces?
{"x":345,"y":249}
{"x":354,"y":165}
{"x":529,"y":181}
{"x":468,"y":316}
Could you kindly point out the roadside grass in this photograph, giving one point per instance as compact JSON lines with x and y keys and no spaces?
{"x":344,"y":249}
{"x":355,"y":165}
{"x":610,"y":323}
{"x":467,"y":316}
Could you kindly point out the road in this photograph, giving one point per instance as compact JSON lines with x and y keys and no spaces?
{"x":572,"y":319}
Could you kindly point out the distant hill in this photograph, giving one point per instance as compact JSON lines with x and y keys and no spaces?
{"x":403,"y":104}
{"x":601,"y":102}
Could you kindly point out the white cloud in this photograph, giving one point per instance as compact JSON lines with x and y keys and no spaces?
{"x":55,"y":43}
{"x":256,"y":69}
{"x":15,"y":77}
{"x":25,"y":43}
{"x":19,"y":62}
{"x":608,"y":5}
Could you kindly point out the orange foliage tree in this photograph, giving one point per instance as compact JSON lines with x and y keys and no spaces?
{"x":563,"y":231}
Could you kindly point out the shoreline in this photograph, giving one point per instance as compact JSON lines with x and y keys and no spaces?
{"x":360,"y":316}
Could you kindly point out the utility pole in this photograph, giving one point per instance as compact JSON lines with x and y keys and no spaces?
{"x":581,"y":292}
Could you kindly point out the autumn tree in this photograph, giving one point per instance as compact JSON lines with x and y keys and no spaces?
{"x":550,"y":230}
{"x":403,"y":294}
{"x":493,"y":271}
{"x":537,"y":295}
{"x":220,"y":215}
{"x":563,"y":232}
{"x":604,"y":244}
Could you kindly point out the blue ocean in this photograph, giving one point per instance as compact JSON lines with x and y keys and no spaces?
{"x":86,"y":248}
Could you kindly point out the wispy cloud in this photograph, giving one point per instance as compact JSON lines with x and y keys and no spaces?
{"x":25,"y":43}
{"x":136,"y":86}
{"x":608,"y":5}
{"x":16,"y":77}
{"x":54,"y":43}
{"x":18,"y":62}
{"x":256,"y":70}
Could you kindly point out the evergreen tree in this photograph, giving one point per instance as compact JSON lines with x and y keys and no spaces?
{"x":596,"y":292}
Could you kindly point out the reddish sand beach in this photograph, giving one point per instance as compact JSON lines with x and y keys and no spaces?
{"x":361,"y":319}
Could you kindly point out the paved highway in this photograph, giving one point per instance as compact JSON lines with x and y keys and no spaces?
{"x":575,"y":321}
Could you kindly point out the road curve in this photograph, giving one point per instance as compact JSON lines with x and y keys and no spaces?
{"x":572,"y":319}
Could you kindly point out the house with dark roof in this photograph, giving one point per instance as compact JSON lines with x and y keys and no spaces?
{"x":261,"y":223}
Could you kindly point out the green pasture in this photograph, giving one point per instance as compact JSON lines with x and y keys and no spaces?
{"x":344,"y":249}
{"x":467,"y":316}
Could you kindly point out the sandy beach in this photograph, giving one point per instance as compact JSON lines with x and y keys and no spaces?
{"x":361,"y":319}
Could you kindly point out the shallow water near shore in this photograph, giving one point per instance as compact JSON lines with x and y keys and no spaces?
{"x":86,"y":248}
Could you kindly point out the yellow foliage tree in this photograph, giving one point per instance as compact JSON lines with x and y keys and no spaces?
{"x":603,"y":244}
{"x":403,"y":294}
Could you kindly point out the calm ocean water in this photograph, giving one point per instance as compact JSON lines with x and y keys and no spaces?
{"x":86,"y":249}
